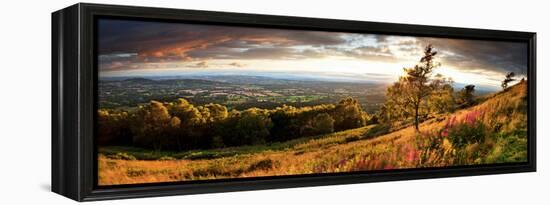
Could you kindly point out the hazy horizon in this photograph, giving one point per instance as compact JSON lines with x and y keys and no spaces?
{"x":142,"y":49}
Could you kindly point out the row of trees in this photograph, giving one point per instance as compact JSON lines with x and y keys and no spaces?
{"x":182,"y":126}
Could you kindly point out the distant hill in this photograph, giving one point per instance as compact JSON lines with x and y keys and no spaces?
{"x":480,"y":89}
{"x":264,"y":79}
{"x":244,"y":79}
{"x":139,"y":80}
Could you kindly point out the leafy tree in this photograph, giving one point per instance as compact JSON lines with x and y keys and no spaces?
{"x":217,"y":112}
{"x":190,"y":120}
{"x":185,"y":111}
{"x":253,"y":126}
{"x":466,"y":95}
{"x":396,"y":106}
{"x":211,"y":117}
{"x":285,"y":123}
{"x":409,"y":95}
{"x":174,"y":129}
{"x":113,"y":127}
{"x":442,"y":98}
{"x":211,"y":129}
{"x":508,"y":79}
{"x":175,"y":122}
{"x":151,"y":125}
{"x":348,"y":114}
{"x":322,"y":124}
{"x":290,"y":122}
{"x":230,"y":136}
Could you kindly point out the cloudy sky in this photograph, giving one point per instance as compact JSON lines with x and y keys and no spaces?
{"x":138,"y":48}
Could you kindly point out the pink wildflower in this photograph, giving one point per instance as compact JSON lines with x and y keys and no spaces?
{"x":412,"y":155}
{"x":471,"y":117}
{"x":451,"y":122}
{"x":342,"y":162}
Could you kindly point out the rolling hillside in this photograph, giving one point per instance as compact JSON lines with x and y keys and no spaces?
{"x":494,"y":131}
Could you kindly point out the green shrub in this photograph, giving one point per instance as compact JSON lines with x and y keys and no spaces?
{"x":163,"y":158}
{"x":509,"y":147}
{"x":122,"y":155}
{"x":469,"y":130}
{"x":377,"y":130}
{"x":352,"y":139}
{"x":464,"y":134}
{"x":265,"y":164}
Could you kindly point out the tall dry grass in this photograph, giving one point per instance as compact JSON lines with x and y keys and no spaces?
{"x":503,"y":118}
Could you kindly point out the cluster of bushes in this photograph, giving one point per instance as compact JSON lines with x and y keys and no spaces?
{"x":180,"y":125}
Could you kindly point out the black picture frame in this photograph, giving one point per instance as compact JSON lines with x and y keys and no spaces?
{"x":74,"y":81}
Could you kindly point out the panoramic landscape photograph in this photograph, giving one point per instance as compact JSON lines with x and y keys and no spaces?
{"x":187,"y":102}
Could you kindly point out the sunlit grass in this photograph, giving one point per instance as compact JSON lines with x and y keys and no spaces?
{"x":502,"y":117}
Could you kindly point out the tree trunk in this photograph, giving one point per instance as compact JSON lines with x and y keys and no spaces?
{"x":416,"y":107}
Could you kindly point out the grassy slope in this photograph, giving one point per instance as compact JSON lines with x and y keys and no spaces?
{"x":352,"y":150}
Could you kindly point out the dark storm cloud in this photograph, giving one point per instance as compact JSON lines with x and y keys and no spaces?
{"x":117,"y":60}
{"x":131,"y":44}
{"x":492,"y":55}
{"x":471,"y":55}
{"x":154,"y":42}
{"x":474,"y":55}
{"x":270,"y":53}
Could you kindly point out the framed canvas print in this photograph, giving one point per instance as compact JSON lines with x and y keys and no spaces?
{"x":155,"y":102}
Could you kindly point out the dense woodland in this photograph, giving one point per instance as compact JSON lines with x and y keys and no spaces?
{"x":181,"y":126}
